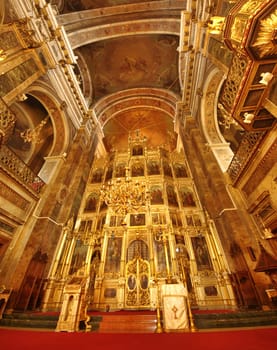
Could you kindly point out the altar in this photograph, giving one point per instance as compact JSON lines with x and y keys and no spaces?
{"x":175,"y":312}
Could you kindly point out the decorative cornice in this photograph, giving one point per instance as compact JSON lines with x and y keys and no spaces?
{"x":148,"y":26}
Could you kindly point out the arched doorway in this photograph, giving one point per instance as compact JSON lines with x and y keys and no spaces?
{"x":30,"y":294}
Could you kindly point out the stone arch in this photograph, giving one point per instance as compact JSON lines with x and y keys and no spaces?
{"x":57,"y":113}
{"x":158,"y":99}
{"x":62,"y":131}
{"x":85,"y":36}
{"x":138,"y":102}
{"x":85,"y":77}
{"x":209,"y":124}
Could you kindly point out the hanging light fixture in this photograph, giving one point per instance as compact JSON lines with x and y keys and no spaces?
{"x":226,"y":120}
{"x":124,"y":196}
{"x":33,"y":135}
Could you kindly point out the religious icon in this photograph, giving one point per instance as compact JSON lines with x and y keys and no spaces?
{"x":171,"y":195}
{"x":167,"y":169}
{"x":137,"y":150}
{"x":92,"y":202}
{"x":201,"y":253}
{"x":180,"y":170}
{"x":113,"y":255}
{"x":153,"y":167}
{"x":132,"y":282}
{"x":109,"y":173}
{"x":137,"y":219}
{"x":97,"y":176}
{"x":144,"y":281}
{"x":156,"y":195}
{"x":187,"y":197}
{"x":138,"y":169}
{"x":120,"y":170}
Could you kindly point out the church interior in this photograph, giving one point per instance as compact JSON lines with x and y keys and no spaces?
{"x":138,"y":160}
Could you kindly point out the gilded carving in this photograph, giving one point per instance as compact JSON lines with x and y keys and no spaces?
{"x":246,"y":149}
{"x":137,"y":283}
{"x":265,"y":42}
{"x":250,"y":6}
{"x":14,"y":165}
{"x":7,"y":122}
{"x":232,"y":84}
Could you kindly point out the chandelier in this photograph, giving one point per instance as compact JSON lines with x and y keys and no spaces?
{"x":227,"y":120}
{"x":124,"y":196}
{"x":33,"y":135}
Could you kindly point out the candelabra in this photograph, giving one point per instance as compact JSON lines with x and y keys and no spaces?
{"x":181,"y":259}
{"x":124,"y":196}
{"x":159,"y":328}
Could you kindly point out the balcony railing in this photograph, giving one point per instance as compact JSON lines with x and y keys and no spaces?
{"x":16,"y":168}
{"x":248,"y":146}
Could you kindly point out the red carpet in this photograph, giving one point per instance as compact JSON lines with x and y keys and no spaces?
{"x":254,"y":339}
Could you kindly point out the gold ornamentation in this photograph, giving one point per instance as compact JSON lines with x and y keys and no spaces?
{"x":33,"y":135}
{"x":124,"y":195}
{"x":238,"y":28}
{"x":250,"y":6}
{"x":233,"y":82}
{"x":216,"y":25}
{"x":247,"y":147}
{"x":17,"y":168}
{"x":7,"y":122}
{"x":137,"y":282}
{"x":3,"y":56}
{"x":265,"y":43}
{"x":227,"y":120}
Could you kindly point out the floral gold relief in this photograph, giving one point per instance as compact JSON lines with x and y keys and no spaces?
{"x":265,"y":42}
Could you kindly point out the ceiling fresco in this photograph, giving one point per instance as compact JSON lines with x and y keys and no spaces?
{"x":133,"y":62}
{"x":155,"y":125}
{"x":129,"y":62}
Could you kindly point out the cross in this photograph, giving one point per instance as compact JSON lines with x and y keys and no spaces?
{"x":174,"y":309}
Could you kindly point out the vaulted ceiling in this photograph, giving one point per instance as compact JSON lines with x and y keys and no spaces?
{"x":127,"y":58}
